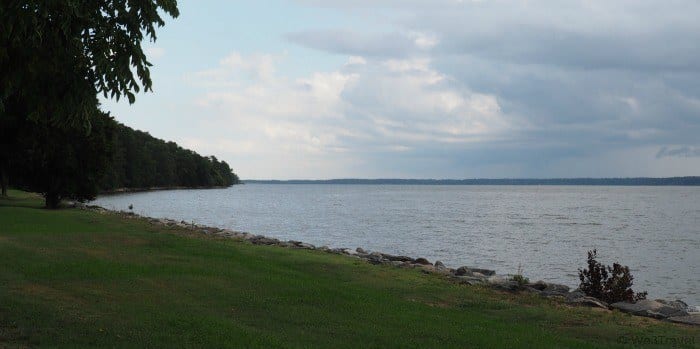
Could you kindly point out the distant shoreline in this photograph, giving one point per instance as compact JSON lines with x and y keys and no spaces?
{"x":638,"y":181}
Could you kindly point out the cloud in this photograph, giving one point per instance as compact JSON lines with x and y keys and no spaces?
{"x":450,"y":88}
{"x":355,"y":43}
{"x":687,"y":152}
{"x":364,"y":106}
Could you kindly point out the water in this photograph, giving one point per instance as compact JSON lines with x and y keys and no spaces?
{"x":545,"y":230}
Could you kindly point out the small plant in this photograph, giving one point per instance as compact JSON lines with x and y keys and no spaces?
{"x":519,"y":278}
{"x":609,"y":284}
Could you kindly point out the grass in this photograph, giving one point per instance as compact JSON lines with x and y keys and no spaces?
{"x":72,"y":278}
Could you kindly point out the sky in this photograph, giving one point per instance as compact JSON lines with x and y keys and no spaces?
{"x":318,"y":89}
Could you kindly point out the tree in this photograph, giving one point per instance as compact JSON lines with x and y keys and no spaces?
{"x":56,"y":56}
{"x":63,"y":163}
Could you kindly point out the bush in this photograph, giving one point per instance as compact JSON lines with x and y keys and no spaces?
{"x":519,"y":278}
{"x":609,"y":284}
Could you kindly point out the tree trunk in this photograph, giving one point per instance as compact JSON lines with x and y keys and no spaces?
{"x":52,"y":200}
{"x":3,"y":180}
{"x":4,"y":177}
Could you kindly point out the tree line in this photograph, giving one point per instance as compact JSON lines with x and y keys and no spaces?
{"x":140,"y":160}
{"x":56,"y":57}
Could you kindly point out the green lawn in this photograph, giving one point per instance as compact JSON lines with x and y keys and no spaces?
{"x":73,"y":278}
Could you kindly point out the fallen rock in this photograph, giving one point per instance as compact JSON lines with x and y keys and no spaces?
{"x":588,"y":302}
{"x":649,"y":308}
{"x":692,"y":319}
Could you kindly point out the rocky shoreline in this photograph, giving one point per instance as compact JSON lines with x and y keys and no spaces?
{"x":669,"y":310}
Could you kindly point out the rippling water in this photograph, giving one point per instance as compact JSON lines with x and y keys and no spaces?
{"x":544,"y":229}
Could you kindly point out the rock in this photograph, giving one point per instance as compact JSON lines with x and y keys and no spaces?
{"x":678,"y":304}
{"x":462,"y":271}
{"x":588,"y":302}
{"x":360,"y":250}
{"x":468,"y":280}
{"x":486,"y":272}
{"x":306,"y":246}
{"x":375,"y":259}
{"x":261,"y":240}
{"x":650,"y":308}
{"x":503,"y":282}
{"x":422,"y":261}
{"x":439,"y":265}
{"x":470,"y":271}
{"x":398,"y":258}
{"x":349,"y":251}
{"x":539,"y":285}
{"x":577,"y":293}
{"x":555,"y":290}
{"x":431,"y":269}
{"x":692,"y":319}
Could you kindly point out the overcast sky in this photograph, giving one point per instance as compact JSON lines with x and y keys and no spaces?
{"x":429,"y":89}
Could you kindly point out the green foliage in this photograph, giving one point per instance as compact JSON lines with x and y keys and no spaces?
{"x":609,"y":284}
{"x":87,"y":47}
{"x":62,"y":162}
{"x":521,"y":280}
{"x":55,"y":57}
{"x":142,"y":161}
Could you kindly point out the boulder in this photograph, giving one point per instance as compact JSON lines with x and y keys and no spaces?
{"x":486,"y":272}
{"x":422,"y":261}
{"x":691,"y":319}
{"x":397,"y":258}
{"x":678,"y":304}
{"x":468,"y":280}
{"x":650,"y":308}
{"x":349,"y":251}
{"x":461,"y":271}
{"x":360,"y":250}
{"x":555,"y":290}
{"x":261,"y":240}
{"x":439,"y":265}
{"x":503,"y":282}
{"x":588,"y":302}
{"x":539,"y":285}
{"x":375,"y":259}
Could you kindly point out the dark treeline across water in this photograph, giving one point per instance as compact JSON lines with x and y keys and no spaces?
{"x":639,"y":181}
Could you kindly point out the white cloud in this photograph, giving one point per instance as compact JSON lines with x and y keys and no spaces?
{"x":370,"y":106}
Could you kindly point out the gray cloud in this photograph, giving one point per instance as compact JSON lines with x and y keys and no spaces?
{"x":686,"y":152}
{"x":576,"y":79}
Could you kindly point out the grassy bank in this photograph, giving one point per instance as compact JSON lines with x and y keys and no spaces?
{"x":73,"y":278}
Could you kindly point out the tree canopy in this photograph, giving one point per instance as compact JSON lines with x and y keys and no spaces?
{"x":90,"y":46}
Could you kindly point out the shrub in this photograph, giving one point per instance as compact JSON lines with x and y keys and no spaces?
{"x":519,"y":278}
{"x":609,"y":284}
